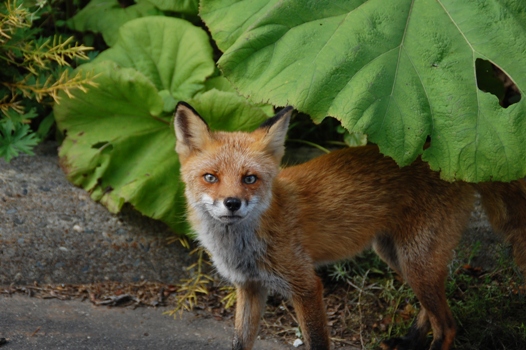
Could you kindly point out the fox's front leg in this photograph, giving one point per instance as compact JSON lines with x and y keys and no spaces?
{"x":307,"y":298}
{"x":251,"y":299}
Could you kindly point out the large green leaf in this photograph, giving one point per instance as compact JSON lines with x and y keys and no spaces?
{"x":398,"y":71}
{"x":106,"y":16}
{"x":117,"y":147}
{"x":190,"y":7}
{"x":228,"y":111}
{"x":221,"y":84}
{"x":174,"y":54}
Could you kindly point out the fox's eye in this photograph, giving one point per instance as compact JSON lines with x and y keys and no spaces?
{"x":250,"y":179}
{"x":210,"y":178}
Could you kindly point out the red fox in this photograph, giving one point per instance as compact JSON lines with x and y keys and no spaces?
{"x":267,"y":229}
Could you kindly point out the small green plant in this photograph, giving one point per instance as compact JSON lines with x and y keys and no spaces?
{"x":34,"y":70}
{"x":488,"y":304}
{"x":230,"y":298}
{"x":401,"y":308}
{"x":340,"y":271}
{"x":189,"y":288}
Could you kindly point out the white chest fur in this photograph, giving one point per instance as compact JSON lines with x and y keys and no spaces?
{"x":239,"y":254}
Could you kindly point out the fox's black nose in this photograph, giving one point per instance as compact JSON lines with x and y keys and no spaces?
{"x":232,"y":203}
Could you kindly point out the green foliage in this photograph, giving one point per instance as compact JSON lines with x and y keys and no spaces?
{"x":488,"y":305}
{"x":397,"y":71}
{"x":366,"y":263}
{"x":189,"y":7}
{"x":34,"y":70}
{"x":106,"y":17}
{"x":15,"y":136}
{"x":119,"y":142}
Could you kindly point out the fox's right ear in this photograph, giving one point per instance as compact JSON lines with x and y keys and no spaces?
{"x":191,"y":130}
{"x":274,"y":133}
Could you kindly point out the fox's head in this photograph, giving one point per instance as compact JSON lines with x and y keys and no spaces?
{"x":228,"y":175}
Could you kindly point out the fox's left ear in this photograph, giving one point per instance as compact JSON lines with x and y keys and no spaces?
{"x":275,"y":132}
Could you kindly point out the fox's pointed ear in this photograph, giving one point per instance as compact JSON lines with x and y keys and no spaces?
{"x":191,"y":130}
{"x":275,"y":132}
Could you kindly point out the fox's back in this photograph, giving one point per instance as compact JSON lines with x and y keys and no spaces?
{"x":352,"y":195}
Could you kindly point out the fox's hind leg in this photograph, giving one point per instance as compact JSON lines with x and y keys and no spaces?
{"x":416,"y":338}
{"x":505,"y":204}
{"x":422,"y":261}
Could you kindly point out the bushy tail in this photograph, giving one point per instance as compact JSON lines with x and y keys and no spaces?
{"x":505,"y":204}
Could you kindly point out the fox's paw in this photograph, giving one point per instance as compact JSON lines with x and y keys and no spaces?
{"x":404,"y":343}
{"x":394,"y":344}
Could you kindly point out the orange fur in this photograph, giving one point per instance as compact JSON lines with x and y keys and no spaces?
{"x":333,"y":207}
